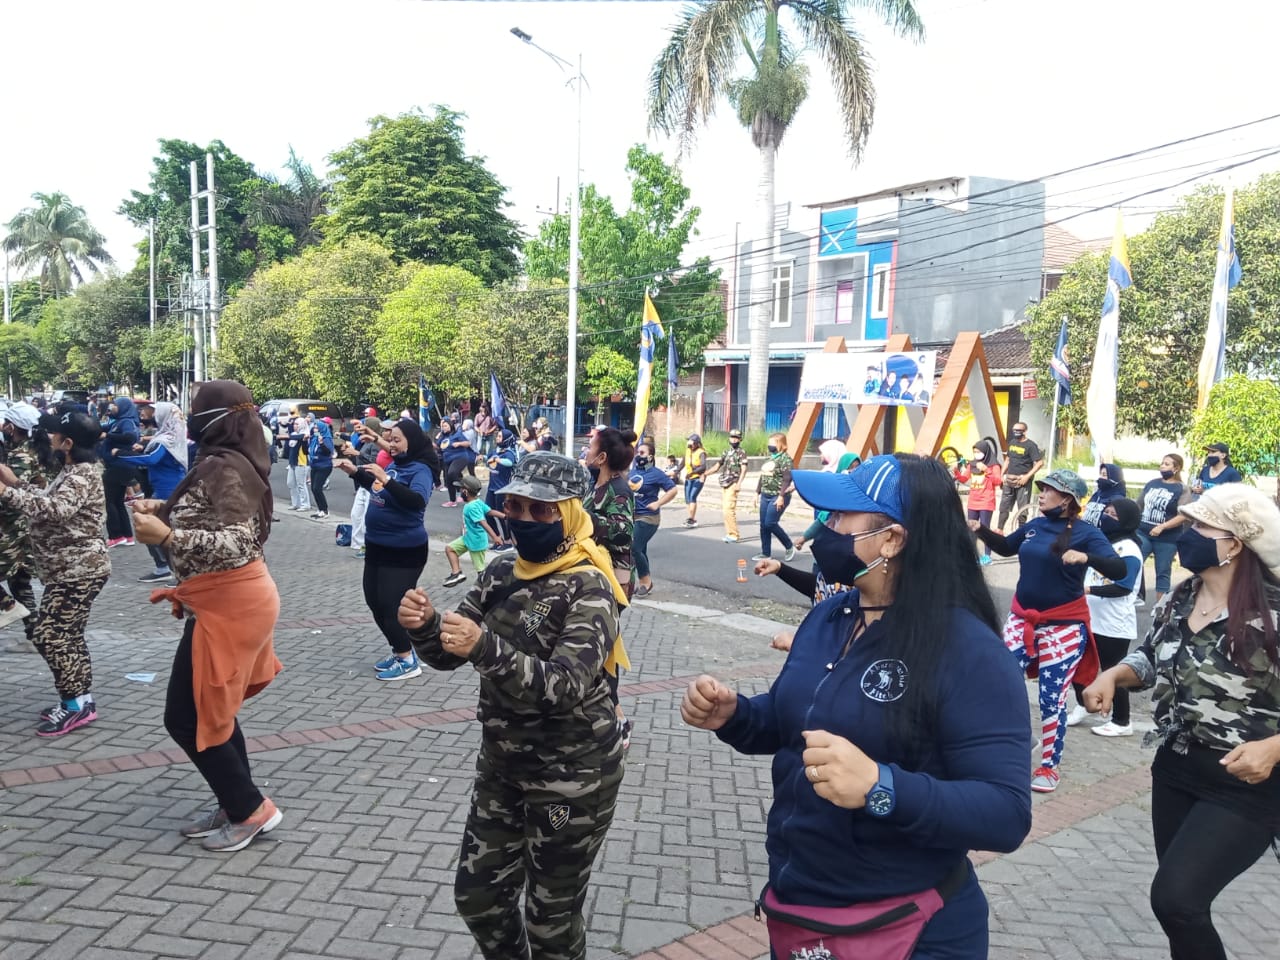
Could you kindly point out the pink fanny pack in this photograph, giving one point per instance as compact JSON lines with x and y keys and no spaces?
{"x":886,"y":929}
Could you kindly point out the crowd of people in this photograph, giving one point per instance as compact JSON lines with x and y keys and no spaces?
{"x":882,"y":756}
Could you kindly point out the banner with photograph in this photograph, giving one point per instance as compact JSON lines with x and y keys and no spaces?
{"x":887,"y":379}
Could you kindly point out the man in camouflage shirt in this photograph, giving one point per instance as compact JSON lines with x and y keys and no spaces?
{"x":732,"y":467}
{"x":537,"y":628}
{"x":17,"y":423}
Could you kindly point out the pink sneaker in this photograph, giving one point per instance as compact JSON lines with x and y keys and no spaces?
{"x":115,"y":542}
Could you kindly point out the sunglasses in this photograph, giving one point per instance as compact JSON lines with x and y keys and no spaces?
{"x":536,"y":510}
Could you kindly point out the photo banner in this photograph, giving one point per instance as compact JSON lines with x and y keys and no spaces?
{"x":886,"y":379}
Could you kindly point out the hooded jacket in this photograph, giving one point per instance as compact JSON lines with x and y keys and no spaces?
{"x":1105,"y":491}
{"x":122,"y":432}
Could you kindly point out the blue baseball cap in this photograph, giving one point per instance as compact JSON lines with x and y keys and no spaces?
{"x":871,"y":487}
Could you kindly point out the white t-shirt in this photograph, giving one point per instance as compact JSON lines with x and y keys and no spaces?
{"x":1115,"y":616}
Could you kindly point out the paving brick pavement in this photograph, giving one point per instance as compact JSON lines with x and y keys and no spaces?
{"x":374,"y":780}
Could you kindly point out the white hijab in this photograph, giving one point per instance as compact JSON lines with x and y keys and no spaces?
{"x":171,"y":432}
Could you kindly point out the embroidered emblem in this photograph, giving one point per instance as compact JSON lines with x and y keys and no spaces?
{"x":819,"y":952}
{"x":532,"y":620}
{"x":885,"y":681}
{"x":558,"y":816}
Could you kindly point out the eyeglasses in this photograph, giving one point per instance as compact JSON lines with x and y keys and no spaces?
{"x":536,"y":509}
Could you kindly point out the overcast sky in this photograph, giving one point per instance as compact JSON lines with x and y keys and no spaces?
{"x":1004,"y":88}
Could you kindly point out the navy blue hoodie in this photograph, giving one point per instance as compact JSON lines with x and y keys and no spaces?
{"x":123,"y":431}
{"x":970,"y":791}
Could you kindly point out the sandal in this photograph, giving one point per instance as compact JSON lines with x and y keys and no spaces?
{"x":643,"y":591}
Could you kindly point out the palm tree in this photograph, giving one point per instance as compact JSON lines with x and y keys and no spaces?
{"x":57,"y":235}
{"x":700,"y":66}
{"x":294,"y":204}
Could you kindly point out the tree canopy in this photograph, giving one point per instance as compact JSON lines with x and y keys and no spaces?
{"x":1243,"y":413}
{"x":411,"y":186}
{"x":56,"y":237}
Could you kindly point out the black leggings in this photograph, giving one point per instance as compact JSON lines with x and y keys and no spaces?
{"x":319,"y":475}
{"x":115,"y":480}
{"x":1201,"y":847}
{"x":1111,"y":650}
{"x":224,"y":767}
{"x":384,"y":586}
{"x":453,"y":472}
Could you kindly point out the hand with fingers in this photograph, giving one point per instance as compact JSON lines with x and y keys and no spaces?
{"x":708,"y":704}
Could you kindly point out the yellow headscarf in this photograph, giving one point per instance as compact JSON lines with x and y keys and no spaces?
{"x":582,"y":551}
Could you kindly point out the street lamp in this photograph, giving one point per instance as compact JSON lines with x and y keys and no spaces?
{"x":575,"y":225}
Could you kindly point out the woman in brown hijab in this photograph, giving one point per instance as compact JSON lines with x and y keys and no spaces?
{"x":214,"y":526}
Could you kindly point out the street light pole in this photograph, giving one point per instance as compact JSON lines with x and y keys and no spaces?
{"x":575,"y":227}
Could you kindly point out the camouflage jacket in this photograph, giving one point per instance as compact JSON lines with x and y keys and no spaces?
{"x":66,"y":523}
{"x":15,"y":545}
{"x":1200,"y":693}
{"x":544,"y":704}
{"x":733,"y":466}
{"x":205,"y":543}
{"x":612,"y":508}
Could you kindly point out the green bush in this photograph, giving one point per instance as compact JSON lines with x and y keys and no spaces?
{"x":1245,"y":415}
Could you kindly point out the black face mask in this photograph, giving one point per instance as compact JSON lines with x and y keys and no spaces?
{"x":595,"y":473}
{"x":834,"y":554}
{"x":536,"y":542}
{"x":1166,"y":474}
{"x":772,"y":448}
{"x":1053,"y":514}
{"x":1196,"y":552}
{"x":1019,"y":434}
{"x":1110,"y":526}
{"x":735,"y":443}
{"x":1106,"y":483}
{"x":642,"y":462}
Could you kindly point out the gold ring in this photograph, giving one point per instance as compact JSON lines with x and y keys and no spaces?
{"x":813,"y":773}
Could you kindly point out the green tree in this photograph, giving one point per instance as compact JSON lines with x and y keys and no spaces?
{"x":292,"y":207}
{"x":521,"y":336}
{"x":87,"y":337}
{"x":699,"y":67}
{"x":1164,"y":314}
{"x":25,"y":301}
{"x":1245,"y":414}
{"x":623,"y":254}
{"x":56,"y":237}
{"x":23,"y":364}
{"x":411,"y":186}
{"x":609,"y":373}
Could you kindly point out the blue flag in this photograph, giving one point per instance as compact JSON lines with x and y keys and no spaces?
{"x":673,"y":360}
{"x":497,"y":401}
{"x":649,"y":329}
{"x":1060,"y":368}
{"x":426,"y":403}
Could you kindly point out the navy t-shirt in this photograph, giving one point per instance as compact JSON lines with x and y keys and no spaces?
{"x":1044,"y":581}
{"x":1229,"y":475}
{"x":648,"y":485}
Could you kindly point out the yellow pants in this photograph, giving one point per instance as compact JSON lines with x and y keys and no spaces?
{"x":729,"y":506}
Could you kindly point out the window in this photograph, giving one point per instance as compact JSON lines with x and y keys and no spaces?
{"x":781,"y":295}
{"x":844,"y":302}
{"x":880,"y":291}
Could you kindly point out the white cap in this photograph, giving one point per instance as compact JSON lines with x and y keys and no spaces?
{"x":22,"y":415}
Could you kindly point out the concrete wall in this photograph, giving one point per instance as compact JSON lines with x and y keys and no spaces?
{"x":792,"y":247}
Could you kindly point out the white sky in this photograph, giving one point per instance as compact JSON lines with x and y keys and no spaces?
{"x":1005,"y":88}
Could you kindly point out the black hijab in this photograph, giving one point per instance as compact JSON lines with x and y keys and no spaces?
{"x":419,"y":449}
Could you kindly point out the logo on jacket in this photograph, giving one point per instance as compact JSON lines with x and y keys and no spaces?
{"x":819,"y":952}
{"x":558,"y":816}
{"x":533,"y":619}
{"x":885,"y":680}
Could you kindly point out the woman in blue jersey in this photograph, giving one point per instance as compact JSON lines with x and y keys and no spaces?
{"x":165,"y":458}
{"x":653,"y":490}
{"x":887,"y":769}
{"x":1048,"y":627}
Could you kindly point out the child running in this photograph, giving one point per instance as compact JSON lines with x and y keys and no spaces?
{"x":476,"y":532}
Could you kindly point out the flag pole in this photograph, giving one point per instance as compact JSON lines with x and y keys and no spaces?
{"x":1053,"y":427}
{"x":668,"y":416}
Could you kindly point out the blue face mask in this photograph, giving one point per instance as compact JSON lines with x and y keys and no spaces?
{"x":837,"y":561}
{"x":536,"y":542}
{"x":1198,"y":553}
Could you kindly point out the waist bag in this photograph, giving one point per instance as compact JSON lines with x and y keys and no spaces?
{"x":886,"y":929}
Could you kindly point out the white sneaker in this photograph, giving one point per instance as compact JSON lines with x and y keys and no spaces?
{"x":1110,"y":729}
{"x":13,"y":614}
{"x":1077,"y":715}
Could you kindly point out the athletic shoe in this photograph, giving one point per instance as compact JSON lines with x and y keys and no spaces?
{"x":386,"y":663}
{"x":1044,"y":780}
{"x":625,"y":726}
{"x":115,"y":542}
{"x":450,"y":503}
{"x":360,"y":553}
{"x":690,"y":522}
{"x":643,"y":591}
{"x":790,"y":554}
{"x":13,"y":614}
{"x":729,"y":538}
{"x":761,"y":556}
{"x":985,"y":559}
{"x":402,"y":670}
{"x":453,"y":579}
{"x":1110,"y":729}
{"x":231,"y":837}
{"x":61,"y":720}
{"x":319,"y":515}
{"x":47,"y":712}
{"x":204,"y":823}
{"x":1077,"y":716}
{"x":156,"y":577}
{"x":128,"y":542}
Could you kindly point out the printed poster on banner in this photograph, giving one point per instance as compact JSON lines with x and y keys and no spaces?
{"x":887,"y":379}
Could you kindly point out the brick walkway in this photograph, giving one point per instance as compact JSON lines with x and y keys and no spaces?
{"x":374,"y":780}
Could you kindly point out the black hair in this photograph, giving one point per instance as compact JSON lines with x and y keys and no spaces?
{"x":1070,"y":510}
{"x":1247,"y":605}
{"x":618,"y":447}
{"x":938,"y":575}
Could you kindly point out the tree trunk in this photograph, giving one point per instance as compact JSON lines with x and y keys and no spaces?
{"x":761,"y":308}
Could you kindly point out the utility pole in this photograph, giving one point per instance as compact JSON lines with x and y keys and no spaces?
{"x":151,"y":295}
{"x":7,"y":319}
{"x":197,"y":319}
{"x":575,"y":231}
{"x":214,"y":301}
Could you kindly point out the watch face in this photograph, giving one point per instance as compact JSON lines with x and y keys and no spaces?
{"x":879,"y":802}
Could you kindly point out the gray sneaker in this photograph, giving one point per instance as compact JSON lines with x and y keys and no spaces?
{"x":204,"y":823}
{"x":231,"y":837}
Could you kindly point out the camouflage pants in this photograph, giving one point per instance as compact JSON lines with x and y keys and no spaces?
{"x":540,"y":838}
{"x":59,"y":633}
{"x":20,"y":587}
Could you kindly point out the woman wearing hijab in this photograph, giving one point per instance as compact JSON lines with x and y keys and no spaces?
{"x":472,"y":436}
{"x":456,"y":451}
{"x":165,"y":458}
{"x":395,"y":539}
{"x":214,"y":525}
{"x":1110,"y":486}
{"x":540,"y":629}
{"x":320,"y":457}
{"x":123,"y":430}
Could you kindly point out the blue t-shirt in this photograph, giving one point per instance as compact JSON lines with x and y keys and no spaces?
{"x":1229,"y":475}
{"x":1044,"y":581}
{"x":648,"y":485}
{"x":453,"y":447}
{"x":388,"y":524}
{"x":473,"y":535}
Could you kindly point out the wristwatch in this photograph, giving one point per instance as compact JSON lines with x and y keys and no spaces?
{"x":880,"y":798}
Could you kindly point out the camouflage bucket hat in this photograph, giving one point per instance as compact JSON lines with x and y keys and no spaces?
{"x":1066,"y":481}
{"x":548,"y":477}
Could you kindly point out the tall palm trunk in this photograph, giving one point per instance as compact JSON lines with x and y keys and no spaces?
{"x":760,"y":314}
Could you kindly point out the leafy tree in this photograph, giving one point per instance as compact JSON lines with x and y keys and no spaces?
{"x":521,"y":336}
{"x":609,"y":373}
{"x":86,"y":337}
{"x":699,"y":67}
{"x":1163,"y":316}
{"x":284,"y":213}
{"x":242,"y":243}
{"x":21,"y":361}
{"x":623,"y":254}
{"x":257,"y":333}
{"x":56,"y":236}
{"x":1245,"y":414}
{"x":411,"y":186}
{"x":25,"y":301}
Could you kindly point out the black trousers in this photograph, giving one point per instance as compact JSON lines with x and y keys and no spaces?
{"x":453,"y":472}
{"x":1201,"y":847}
{"x":1111,"y":650}
{"x":384,"y":586}
{"x":224,"y":767}
{"x":319,"y":475}
{"x":114,"y":482}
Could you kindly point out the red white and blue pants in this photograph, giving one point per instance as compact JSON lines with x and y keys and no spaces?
{"x":1059,"y":648}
